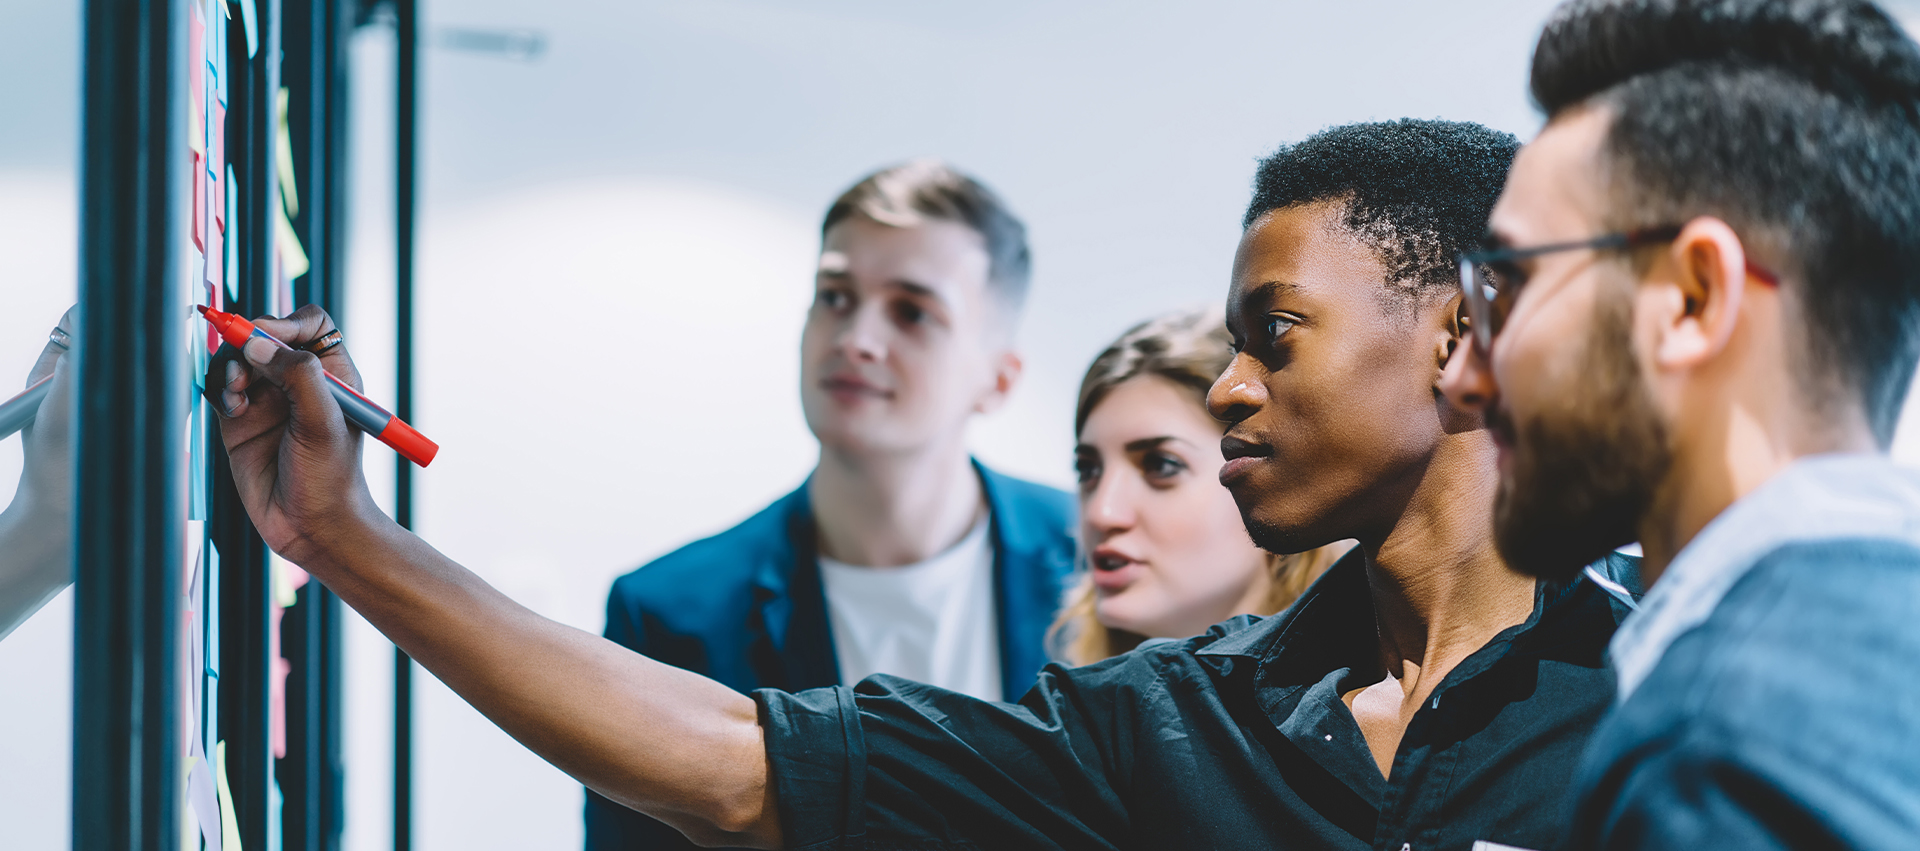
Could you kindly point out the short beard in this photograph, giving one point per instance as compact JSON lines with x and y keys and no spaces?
{"x":1272,"y":538}
{"x":1582,"y":477}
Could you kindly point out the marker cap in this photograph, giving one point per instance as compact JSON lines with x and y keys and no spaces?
{"x":409,"y":442}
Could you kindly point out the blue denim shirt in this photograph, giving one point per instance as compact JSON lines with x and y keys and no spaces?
{"x":1768,"y":696}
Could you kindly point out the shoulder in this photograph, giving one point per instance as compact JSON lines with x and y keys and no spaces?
{"x":1827,"y":622}
{"x":1245,"y":637}
{"x":1036,"y":503}
{"x":1797,"y":681}
{"x":692,"y":572}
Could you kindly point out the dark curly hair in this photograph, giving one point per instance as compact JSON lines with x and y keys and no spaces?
{"x":1419,"y":192}
{"x":1795,"y":121}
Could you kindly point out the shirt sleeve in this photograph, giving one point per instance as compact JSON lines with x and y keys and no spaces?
{"x":891,"y":764}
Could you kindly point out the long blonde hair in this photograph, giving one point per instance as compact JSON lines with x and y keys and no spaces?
{"x":1191,"y":349}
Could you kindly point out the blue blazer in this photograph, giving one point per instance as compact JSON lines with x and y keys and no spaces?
{"x":746,"y":608}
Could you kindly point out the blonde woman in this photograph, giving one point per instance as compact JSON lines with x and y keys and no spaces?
{"x":1164,"y":551}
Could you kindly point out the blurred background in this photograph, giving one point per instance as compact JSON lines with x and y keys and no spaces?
{"x":620,"y":216}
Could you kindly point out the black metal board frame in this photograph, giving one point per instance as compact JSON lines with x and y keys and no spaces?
{"x":315,"y":36}
{"x":132,"y":410}
{"x":246,"y":585}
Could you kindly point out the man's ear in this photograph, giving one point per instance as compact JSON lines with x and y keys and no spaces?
{"x":1452,"y":332}
{"x":1698,"y":304}
{"x":1006,"y":373}
{"x":1449,"y":336}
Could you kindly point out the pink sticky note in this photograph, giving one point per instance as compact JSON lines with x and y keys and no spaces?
{"x":277,"y":692}
{"x":217,"y":166}
{"x":196,"y":53}
{"x":199,"y":202}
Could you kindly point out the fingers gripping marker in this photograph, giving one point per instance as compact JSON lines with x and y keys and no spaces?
{"x":259,"y":347}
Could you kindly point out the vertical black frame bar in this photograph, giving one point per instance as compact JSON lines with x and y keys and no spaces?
{"x":246,"y":586}
{"x":314,"y":36}
{"x":132,"y":412}
{"x":406,"y":148}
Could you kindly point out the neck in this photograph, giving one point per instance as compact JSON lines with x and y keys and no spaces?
{"x":889,"y":510}
{"x":1741,"y":447}
{"x":1440,"y":590}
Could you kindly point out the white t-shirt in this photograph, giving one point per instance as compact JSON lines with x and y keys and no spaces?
{"x":934,"y":622}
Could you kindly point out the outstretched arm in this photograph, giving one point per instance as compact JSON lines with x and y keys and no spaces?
{"x":666,"y":742}
{"x":36,"y":538}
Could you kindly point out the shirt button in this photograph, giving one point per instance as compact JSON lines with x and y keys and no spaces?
{"x":1329,"y":737}
{"x":1406,"y":846}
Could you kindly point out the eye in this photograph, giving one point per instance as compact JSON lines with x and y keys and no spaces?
{"x":1086,"y":469}
{"x":1161,"y":466}
{"x":909,"y":313}
{"x":835,"y":300}
{"x":1278,"y":325}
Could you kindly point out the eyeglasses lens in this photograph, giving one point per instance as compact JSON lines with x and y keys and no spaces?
{"x":1485,"y":307}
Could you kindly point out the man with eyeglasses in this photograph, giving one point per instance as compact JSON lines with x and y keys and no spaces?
{"x":1695,"y":329}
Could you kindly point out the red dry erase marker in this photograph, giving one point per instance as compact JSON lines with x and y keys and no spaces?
{"x":360,"y":410}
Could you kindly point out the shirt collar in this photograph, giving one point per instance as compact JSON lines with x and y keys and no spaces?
{"x":1332,"y":626}
{"x":1818,"y":497}
{"x":1334,"y":614}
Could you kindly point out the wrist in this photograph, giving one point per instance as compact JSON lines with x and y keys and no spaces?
{"x":342,"y":542}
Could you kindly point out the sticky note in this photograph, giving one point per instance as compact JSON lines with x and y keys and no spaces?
{"x":232,"y":264}
{"x":216,"y":273}
{"x":248,"y":16}
{"x":217,"y":166}
{"x":283,"y":145}
{"x":229,"y":827}
{"x":199,"y":177}
{"x":196,"y":475}
{"x":293,"y":258}
{"x":203,"y":800}
{"x":196,"y":52}
{"x":277,"y":686}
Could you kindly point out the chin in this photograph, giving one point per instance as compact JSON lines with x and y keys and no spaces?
{"x":1285,"y":535}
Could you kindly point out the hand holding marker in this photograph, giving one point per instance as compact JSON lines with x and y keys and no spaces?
{"x":360,"y":411}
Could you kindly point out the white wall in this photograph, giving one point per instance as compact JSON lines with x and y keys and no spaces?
{"x":39,"y":97}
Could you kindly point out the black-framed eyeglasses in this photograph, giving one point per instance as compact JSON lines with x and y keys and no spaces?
{"x":1491,"y":278}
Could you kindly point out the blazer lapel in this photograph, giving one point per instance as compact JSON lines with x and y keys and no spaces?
{"x":794,"y":644}
{"x":1028,"y":563}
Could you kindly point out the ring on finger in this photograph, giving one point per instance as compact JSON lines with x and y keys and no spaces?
{"x":61,"y":338}
{"x":326,"y":343}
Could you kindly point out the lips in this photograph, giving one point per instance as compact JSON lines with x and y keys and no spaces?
{"x":1242,"y":456}
{"x":848,"y":388}
{"x":1113,"y":570}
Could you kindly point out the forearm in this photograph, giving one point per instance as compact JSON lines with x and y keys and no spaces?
{"x":666,"y":742}
{"x":36,"y":559}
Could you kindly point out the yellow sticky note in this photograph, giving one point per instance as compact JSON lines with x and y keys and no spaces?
{"x":229,"y":827}
{"x":283,"y":145}
{"x":293,"y":258}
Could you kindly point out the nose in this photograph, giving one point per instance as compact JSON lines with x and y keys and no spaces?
{"x":1468,"y":381}
{"x":1108,"y":509}
{"x":862,"y":337}
{"x":1237,"y":393}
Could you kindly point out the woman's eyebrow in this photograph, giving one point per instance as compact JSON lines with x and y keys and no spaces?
{"x":1146,"y":443}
